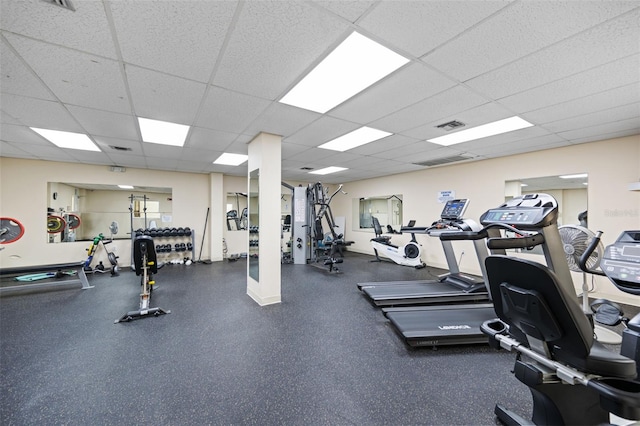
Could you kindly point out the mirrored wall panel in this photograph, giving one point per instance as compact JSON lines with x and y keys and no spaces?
{"x":254,"y":224}
{"x":79,"y":212}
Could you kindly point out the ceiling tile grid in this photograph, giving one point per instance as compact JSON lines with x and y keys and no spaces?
{"x":570,"y":68}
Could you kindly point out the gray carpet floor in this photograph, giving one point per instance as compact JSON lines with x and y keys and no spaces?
{"x":324,"y":356}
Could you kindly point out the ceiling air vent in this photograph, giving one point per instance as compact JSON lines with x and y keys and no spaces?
{"x":443,"y":160}
{"x":306,"y":168}
{"x":66,"y":4}
{"x":450,"y":125}
{"x":120,"y":148}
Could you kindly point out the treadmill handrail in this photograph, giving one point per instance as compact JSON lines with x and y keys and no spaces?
{"x":519,"y":242}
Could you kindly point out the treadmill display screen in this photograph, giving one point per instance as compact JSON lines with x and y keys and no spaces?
{"x":454,"y":209}
{"x":520,"y":216}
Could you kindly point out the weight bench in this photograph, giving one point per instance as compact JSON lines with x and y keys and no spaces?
{"x":572,"y":377}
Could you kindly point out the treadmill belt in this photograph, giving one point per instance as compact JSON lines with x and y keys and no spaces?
{"x":441,"y":325}
{"x":420,"y":293}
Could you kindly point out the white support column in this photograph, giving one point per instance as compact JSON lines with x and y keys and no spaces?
{"x":265,"y":159}
{"x":217,"y":216}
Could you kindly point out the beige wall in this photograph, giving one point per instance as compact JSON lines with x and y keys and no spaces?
{"x":23,"y":195}
{"x":611,"y":164}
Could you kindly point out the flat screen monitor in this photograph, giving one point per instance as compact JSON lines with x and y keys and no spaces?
{"x":454,"y":209}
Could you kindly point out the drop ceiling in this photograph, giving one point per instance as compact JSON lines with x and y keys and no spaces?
{"x":571,"y":68}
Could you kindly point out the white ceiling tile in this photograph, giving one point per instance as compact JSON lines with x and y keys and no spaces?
{"x":348,"y":9}
{"x":74,"y":77}
{"x":525,"y":28}
{"x":159,"y":150}
{"x":339,"y":159}
{"x":17,"y":78}
{"x":86,"y":29}
{"x":273,"y":43}
{"x":21,"y":135}
{"x":128,"y":160}
{"x":420,"y":26}
{"x":89,"y":156}
{"x":229,"y":111}
{"x":606,"y":136}
{"x":179,"y":38}
{"x":50,"y":153}
{"x":8,"y":149}
{"x":420,"y":149}
{"x":105,"y":144}
{"x":632,"y":124}
{"x":238,"y":147}
{"x":312,"y":155}
{"x":322,"y":130}
{"x":534,"y":144}
{"x":611,"y":41}
{"x":5,"y":118}
{"x":449,"y":102}
{"x":291,"y":149}
{"x":401,"y":89}
{"x":389,"y":143}
{"x":210,"y":139}
{"x":473,"y":117}
{"x":281,"y":119}
{"x":613,"y":75}
{"x":39,"y":113}
{"x":514,"y":137}
{"x":163,"y":97}
{"x":204,"y":155}
{"x":100,"y":123}
{"x":624,"y":95}
{"x":607,"y":116}
{"x":363,"y":162}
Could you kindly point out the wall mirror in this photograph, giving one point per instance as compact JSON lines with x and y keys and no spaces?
{"x":386,"y":208}
{"x":79,"y":212}
{"x":237,"y":211}
{"x":254,"y":223}
{"x":569,"y":190}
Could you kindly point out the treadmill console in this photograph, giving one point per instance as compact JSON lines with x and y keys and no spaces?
{"x":530,"y":211}
{"x":454,"y":209}
{"x":621,"y":262}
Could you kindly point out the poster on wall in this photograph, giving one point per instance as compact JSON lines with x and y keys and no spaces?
{"x":444,"y":196}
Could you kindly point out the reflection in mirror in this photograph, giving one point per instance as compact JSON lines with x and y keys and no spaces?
{"x":386,"y":208}
{"x":79,"y":212}
{"x":254,"y":217}
{"x":237,"y":211}
{"x":569,"y":190}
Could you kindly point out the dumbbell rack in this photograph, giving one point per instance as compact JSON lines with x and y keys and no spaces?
{"x":162,"y":239}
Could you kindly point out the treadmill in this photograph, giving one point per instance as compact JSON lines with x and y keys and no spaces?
{"x":453,"y":287}
{"x":535,"y":216}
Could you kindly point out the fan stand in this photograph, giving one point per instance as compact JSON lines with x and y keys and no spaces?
{"x":602,"y":334}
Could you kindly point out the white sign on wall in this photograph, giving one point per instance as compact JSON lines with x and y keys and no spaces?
{"x":444,"y":196}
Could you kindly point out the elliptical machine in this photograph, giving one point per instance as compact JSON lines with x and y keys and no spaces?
{"x":621,"y":264}
{"x":409,"y":254}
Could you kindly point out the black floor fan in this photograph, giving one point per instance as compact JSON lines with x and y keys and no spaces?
{"x":204,"y":233}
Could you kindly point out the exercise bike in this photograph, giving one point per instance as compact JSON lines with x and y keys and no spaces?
{"x":408,"y":255}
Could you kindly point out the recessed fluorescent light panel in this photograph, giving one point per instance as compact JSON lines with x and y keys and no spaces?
{"x":484,"y":131}
{"x":358,"y":137}
{"x":163,"y":132}
{"x":354,"y":65}
{"x":328,"y":170}
{"x":125,"y":186}
{"x":67,"y":139}
{"x":231,"y":159}
{"x":576,"y":176}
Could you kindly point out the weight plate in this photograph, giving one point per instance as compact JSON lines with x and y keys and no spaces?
{"x":55,"y":224}
{"x":73,"y":220}
{"x":11,"y":230}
